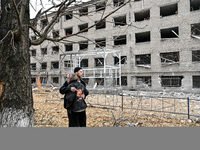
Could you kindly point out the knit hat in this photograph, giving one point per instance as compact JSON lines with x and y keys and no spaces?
{"x":77,"y":69}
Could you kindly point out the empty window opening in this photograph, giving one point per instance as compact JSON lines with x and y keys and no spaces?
{"x":145,"y":80}
{"x":68,"y":31}
{"x":33,"y":66}
{"x":100,"y":6}
{"x":68,"y":64}
{"x":33,"y":80}
{"x":143,"y":15}
{"x":123,"y":60}
{"x":33,"y":52}
{"x":143,"y":60}
{"x":100,"y":81}
{"x":83,"y":11}
{"x":194,"y":5}
{"x":100,"y":43}
{"x":55,"y":34}
{"x":55,"y":65}
{"x":196,"y":81}
{"x":137,"y":0}
{"x":99,"y":62}
{"x":68,"y":16}
{"x":123,"y":80}
{"x":83,"y":45}
{"x":120,"y":40}
{"x":43,"y":80}
{"x":44,"y":23}
{"x":171,"y":81}
{"x":84,"y":63}
{"x":118,"y":3}
{"x":169,"y":10}
{"x":44,"y":66}
{"x":83,"y":27}
{"x":55,"y":50}
{"x":169,"y":33}
{"x":55,"y":80}
{"x":120,"y":21}
{"x":196,"y":55}
{"x":101,"y":25}
{"x":195,"y":30}
{"x":68,"y":47}
{"x":44,"y":51}
{"x":169,"y":58}
{"x":33,"y":37}
{"x":142,"y":37}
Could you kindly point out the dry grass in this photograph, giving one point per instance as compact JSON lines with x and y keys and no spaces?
{"x":52,"y":114}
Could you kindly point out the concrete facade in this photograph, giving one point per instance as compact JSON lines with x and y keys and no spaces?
{"x":146,"y":41}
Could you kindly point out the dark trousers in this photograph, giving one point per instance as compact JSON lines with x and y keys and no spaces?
{"x":77,"y":119}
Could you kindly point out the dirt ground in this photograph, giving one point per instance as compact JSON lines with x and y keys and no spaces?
{"x":49,"y":112}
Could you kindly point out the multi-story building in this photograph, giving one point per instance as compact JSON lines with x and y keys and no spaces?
{"x":158,"y":43}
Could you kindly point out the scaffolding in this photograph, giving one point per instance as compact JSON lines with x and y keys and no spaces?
{"x":109,"y":72}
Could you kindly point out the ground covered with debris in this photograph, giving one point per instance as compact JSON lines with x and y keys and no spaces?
{"x":49,"y":112}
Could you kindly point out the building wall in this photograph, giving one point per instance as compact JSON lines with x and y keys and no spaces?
{"x":184,"y":44}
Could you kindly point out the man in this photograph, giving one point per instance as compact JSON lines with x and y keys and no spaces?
{"x":73,"y":116}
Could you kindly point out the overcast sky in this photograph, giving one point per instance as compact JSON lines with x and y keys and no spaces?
{"x":35,"y":6}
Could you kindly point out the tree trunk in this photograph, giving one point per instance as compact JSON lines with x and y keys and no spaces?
{"x":16,"y":102}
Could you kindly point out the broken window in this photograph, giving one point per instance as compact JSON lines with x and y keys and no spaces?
{"x":99,"y":62}
{"x":84,"y":63}
{"x":169,"y":58}
{"x":68,"y":47}
{"x":120,"y":40}
{"x":145,"y":80}
{"x":55,"y":34}
{"x":69,"y":15}
{"x":55,"y":50}
{"x":68,"y":31}
{"x":137,"y":0}
{"x":101,"y":25}
{"x":171,"y":81}
{"x":83,"y":27}
{"x":68,"y":64}
{"x":120,"y":21}
{"x":100,"y":6}
{"x":194,"y":5}
{"x":43,"y":80}
{"x":123,"y":60}
{"x":33,"y":80}
{"x":55,"y":80}
{"x":169,"y":33}
{"x":43,"y":51}
{"x":144,"y":59}
{"x":123,"y":80}
{"x":83,"y":45}
{"x":33,"y":66}
{"x":118,"y":3}
{"x":44,"y":23}
{"x":196,"y":55}
{"x":44,"y":66}
{"x":169,"y":10}
{"x":100,"y":43}
{"x":196,"y":81}
{"x":142,"y":15}
{"x":142,"y":37}
{"x":33,"y":52}
{"x":33,"y":37}
{"x":195,"y":30}
{"x":55,"y":65}
{"x":83,"y":11}
{"x":100,"y":81}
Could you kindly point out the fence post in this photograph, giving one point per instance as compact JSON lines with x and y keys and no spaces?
{"x":188,"y":107}
{"x":122,"y":101}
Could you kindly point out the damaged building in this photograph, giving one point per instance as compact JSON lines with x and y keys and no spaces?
{"x":145,"y":45}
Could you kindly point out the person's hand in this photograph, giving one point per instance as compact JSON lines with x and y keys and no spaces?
{"x":73,"y":89}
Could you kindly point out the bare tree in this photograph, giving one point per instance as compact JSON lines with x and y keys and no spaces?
{"x":16,"y":102}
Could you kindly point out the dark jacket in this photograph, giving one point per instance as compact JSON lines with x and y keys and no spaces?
{"x":69,"y":95}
